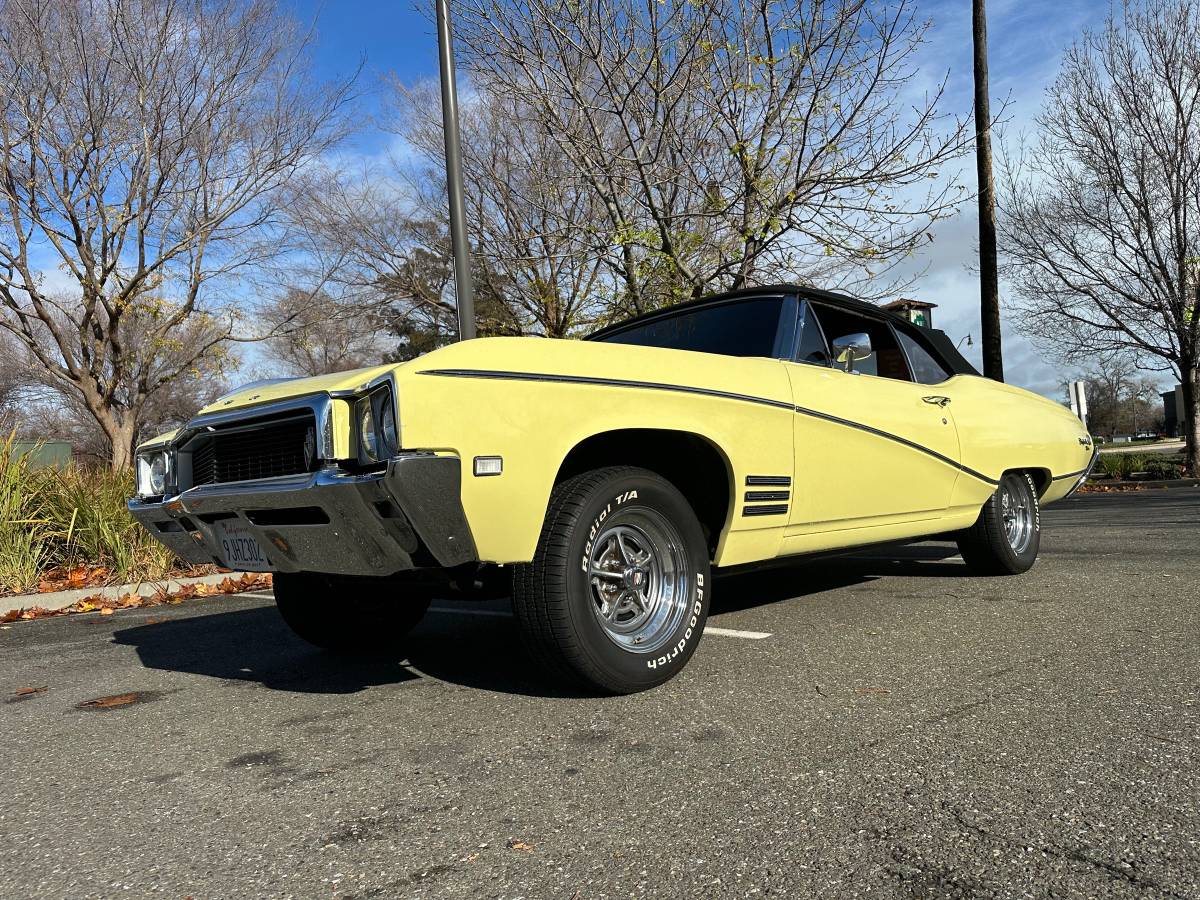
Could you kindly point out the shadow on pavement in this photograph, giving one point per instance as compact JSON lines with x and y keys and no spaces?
{"x":473,"y":651}
{"x":255,"y":645}
{"x":788,"y":579}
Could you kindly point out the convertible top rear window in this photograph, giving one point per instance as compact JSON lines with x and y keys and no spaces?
{"x":744,"y":328}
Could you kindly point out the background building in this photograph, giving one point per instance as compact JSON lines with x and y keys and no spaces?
{"x":1173,"y":411}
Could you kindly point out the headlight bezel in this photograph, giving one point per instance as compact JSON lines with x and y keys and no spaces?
{"x":148,"y":484}
{"x":377,"y":425}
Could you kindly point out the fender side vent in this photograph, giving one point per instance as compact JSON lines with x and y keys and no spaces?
{"x":768,"y":481}
{"x":777,"y":510}
{"x":759,"y":496}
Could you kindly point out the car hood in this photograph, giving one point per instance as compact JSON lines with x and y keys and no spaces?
{"x":285,"y":388}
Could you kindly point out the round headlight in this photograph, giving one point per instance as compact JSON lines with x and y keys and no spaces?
{"x":158,"y":473}
{"x":387,"y":427}
{"x":366,"y":430}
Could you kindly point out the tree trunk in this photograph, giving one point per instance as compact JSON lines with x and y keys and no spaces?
{"x":1191,"y":413}
{"x":123,"y":446}
{"x":123,"y":439}
{"x":989,"y":277}
{"x":120,"y":427}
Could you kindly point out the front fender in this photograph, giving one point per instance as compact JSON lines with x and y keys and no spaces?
{"x":532,"y":401}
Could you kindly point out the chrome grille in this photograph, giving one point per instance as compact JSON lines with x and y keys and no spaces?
{"x":254,"y":450}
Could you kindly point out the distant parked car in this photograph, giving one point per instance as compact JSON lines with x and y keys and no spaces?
{"x":609,"y":476}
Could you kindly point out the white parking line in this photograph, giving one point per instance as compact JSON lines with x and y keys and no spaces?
{"x":734,"y":633}
{"x":721,"y":632}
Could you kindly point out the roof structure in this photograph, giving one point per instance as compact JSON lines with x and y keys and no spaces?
{"x":936,"y":338}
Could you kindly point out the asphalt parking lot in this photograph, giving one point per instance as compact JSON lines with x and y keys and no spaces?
{"x":877,"y":726}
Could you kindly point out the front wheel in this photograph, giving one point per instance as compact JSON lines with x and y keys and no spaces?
{"x":1007,"y":535}
{"x":349,"y":613}
{"x":617,"y":594}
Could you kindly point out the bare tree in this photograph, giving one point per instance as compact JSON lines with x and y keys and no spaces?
{"x":367,"y":248}
{"x":728,"y":142}
{"x":36,"y":406}
{"x":1102,"y":224}
{"x":143,"y":144}
{"x":14,"y":375}
{"x":1120,"y":397}
{"x":313,"y":333}
{"x":532,"y":220}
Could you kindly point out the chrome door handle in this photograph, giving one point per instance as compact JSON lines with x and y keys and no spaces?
{"x":937,"y":401}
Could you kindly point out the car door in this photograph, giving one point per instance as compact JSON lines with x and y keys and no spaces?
{"x":873,"y":447}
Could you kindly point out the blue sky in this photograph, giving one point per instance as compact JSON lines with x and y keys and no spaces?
{"x":1027,"y":39}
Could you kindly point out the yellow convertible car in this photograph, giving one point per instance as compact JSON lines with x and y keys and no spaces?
{"x":602,"y":481}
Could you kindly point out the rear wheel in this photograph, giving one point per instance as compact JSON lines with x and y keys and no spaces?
{"x":617,"y":594}
{"x":349,"y":613}
{"x":1007,"y":535}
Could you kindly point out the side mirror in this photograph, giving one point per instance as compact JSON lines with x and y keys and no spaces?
{"x":851,"y":347}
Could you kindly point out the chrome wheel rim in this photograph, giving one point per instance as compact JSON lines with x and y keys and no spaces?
{"x":1016,"y":511}
{"x":637,"y":580}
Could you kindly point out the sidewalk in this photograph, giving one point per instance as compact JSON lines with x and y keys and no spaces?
{"x":63,"y":599}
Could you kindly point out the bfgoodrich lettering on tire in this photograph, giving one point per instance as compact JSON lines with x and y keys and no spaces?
{"x":617,"y":594}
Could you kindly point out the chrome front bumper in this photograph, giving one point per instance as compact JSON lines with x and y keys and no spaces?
{"x":408,"y":516}
{"x":1087,"y":473}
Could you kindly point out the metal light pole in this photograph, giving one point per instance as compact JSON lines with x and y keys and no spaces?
{"x":989,"y":278}
{"x":464,"y":291}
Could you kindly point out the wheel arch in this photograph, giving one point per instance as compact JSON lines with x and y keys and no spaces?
{"x":694,"y":464}
{"x":1042,"y":479}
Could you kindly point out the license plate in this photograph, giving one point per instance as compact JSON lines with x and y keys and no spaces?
{"x":240,"y":548}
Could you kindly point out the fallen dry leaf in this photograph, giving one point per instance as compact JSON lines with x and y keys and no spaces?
{"x":251,"y":581}
{"x":520,"y":846}
{"x":60,"y":578}
{"x":110,"y":702}
{"x":25,"y":692}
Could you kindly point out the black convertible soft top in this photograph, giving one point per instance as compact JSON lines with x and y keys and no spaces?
{"x":934,"y":340}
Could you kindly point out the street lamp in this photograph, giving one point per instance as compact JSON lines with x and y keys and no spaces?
{"x":464,"y":292}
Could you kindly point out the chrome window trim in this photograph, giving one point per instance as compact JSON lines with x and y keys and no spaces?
{"x":806,"y":315}
{"x":912,"y":372}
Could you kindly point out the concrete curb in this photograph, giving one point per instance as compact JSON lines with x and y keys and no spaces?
{"x":62,"y":599}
